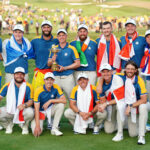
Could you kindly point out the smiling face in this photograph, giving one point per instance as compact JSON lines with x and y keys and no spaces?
{"x":82,"y":34}
{"x":106,"y":74}
{"x":83,"y":82}
{"x":107,"y":30}
{"x":130,"y":29}
{"x":18,"y":35}
{"x":19,"y":77}
{"x":62,"y":37}
{"x":130,"y":71}
{"x":49,"y":83}
{"x":46,"y":30}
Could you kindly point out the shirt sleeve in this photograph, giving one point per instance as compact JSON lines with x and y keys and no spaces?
{"x":3,"y":91}
{"x":142,"y":86}
{"x":59,"y":91}
{"x":95,"y":95}
{"x":30,"y":92}
{"x":37,"y":95}
{"x":75,"y":54}
{"x":73,"y":95}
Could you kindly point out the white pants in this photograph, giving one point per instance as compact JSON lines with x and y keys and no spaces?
{"x":71,"y":116}
{"x":91,"y":75}
{"x":9,"y":77}
{"x":138,"y":128}
{"x":56,"y":113}
{"x":66,"y":83}
{"x":7,"y":119}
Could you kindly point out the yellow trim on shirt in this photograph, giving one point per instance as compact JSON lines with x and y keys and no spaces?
{"x":4,"y":86}
{"x":58,"y":88}
{"x":73,"y":92}
{"x":31,"y":90}
{"x":75,"y":51}
{"x":37,"y":93}
{"x":142,"y":85}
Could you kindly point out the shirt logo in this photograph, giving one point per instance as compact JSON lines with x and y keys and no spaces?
{"x":66,"y":54}
{"x":89,"y":48}
{"x":52,"y":96}
{"x":137,"y":43}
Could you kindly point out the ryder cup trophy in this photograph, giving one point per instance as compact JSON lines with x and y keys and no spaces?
{"x":55,"y":66}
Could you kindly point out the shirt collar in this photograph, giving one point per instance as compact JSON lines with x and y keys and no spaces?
{"x":49,"y":39}
{"x":46,"y":89}
{"x":64,"y":47}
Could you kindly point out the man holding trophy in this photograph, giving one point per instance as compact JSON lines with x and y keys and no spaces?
{"x":64,"y":62}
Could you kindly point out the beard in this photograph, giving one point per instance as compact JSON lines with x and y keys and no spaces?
{"x":19,"y":82}
{"x":46,"y":34}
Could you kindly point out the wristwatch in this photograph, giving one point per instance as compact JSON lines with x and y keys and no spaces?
{"x":78,"y":112}
{"x":130,"y":105}
{"x":25,"y":105}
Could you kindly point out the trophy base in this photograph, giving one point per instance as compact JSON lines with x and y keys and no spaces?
{"x":55,"y":67}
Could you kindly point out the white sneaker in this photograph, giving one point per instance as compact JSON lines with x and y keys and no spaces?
{"x":9,"y":129}
{"x":56,"y":132}
{"x":25,"y":131}
{"x":91,"y":125}
{"x":1,"y":128}
{"x":141,"y":140}
{"x":118,"y":137}
{"x":96,"y":130}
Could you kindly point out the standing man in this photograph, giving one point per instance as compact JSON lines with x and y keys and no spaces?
{"x":15,"y":52}
{"x":41,"y":48}
{"x":83,"y":106}
{"x":19,"y":99}
{"x":68,"y":60}
{"x":49,"y":101}
{"x":108,"y":48}
{"x":87,"y":50}
{"x":132,"y":45}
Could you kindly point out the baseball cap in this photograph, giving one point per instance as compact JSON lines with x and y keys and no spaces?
{"x":18,"y":27}
{"x":130,"y":21}
{"x":61,"y":30}
{"x":105,"y":66}
{"x":82,"y":75}
{"x":46,"y":22}
{"x":49,"y":75}
{"x":82,"y":26}
{"x":19,"y":69}
{"x":147,"y":33}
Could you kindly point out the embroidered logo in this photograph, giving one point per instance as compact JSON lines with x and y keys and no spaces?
{"x":66,"y":54}
{"x":137,"y":43}
{"x":89,"y":48}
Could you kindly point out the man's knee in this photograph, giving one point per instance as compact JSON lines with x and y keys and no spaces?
{"x":101,"y":115}
{"x":28,"y":113}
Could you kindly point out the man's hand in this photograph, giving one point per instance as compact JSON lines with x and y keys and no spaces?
{"x":128,"y":110}
{"x":101,"y":107}
{"x":99,"y":89}
{"x":37,"y":131}
{"x":21,"y":107}
{"x":45,"y":106}
{"x":61,"y":68}
{"x":83,"y":115}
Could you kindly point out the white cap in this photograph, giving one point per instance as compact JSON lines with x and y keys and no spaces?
{"x":18,"y":27}
{"x":61,"y":30}
{"x":19,"y":69}
{"x":130,"y":21}
{"x":105,"y":66}
{"x":147,"y":33}
{"x":49,"y":75}
{"x":46,"y":22}
{"x":82,"y":75}
{"x":82,"y":26}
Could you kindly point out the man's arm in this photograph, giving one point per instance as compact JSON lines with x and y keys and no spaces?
{"x":25,"y":105}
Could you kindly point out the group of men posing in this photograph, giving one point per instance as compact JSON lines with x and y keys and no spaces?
{"x":116,"y":98}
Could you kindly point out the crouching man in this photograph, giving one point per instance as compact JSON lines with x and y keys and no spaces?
{"x":49,"y":101}
{"x":19,"y":95}
{"x":83,"y":106}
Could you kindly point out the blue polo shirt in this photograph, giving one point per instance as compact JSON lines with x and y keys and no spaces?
{"x":139,"y":85}
{"x":139,"y":45}
{"x":28,"y":93}
{"x":41,"y":49}
{"x":107,"y":48}
{"x":74,"y":93}
{"x":41,"y":95}
{"x":90,"y":54}
{"x":106,"y":87}
{"x":0,"y":60}
{"x":65,"y":57}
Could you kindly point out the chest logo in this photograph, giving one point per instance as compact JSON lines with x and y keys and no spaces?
{"x":89,"y":48}
{"x":52,"y":96}
{"x":66,"y":54}
{"x":137,"y":43}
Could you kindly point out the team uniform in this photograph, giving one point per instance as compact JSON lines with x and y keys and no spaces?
{"x":90,"y":53}
{"x":54,"y":110}
{"x":0,"y":53}
{"x":41,"y":50}
{"x":65,"y":57}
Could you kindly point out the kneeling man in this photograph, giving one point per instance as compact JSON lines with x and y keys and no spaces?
{"x":19,"y":99}
{"x":49,"y":101}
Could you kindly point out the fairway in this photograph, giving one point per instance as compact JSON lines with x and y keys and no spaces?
{"x":70,"y":141}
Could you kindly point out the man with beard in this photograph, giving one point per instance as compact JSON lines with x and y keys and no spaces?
{"x":41,"y":47}
{"x":19,"y":99}
{"x":87,"y":50}
{"x":15,"y":52}
{"x":132,"y":45}
{"x":108,"y":48}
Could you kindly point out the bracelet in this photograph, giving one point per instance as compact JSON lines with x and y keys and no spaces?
{"x":25,"y":105}
{"x":78,"y":112}
{"x":130,"y":105}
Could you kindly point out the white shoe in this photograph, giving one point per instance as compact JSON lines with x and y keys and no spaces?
{"x":91,"y":125}
{"x":1,"y":128}
{"x":141,"y":140}
{"x":9,"y":129}
{"x":25,"y":131}
{"x":96,"y":130}
{"x":56,"y":132}
{"x":118,"y":137}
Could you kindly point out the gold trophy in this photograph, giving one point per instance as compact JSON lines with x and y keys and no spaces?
{"x":55,"y":66}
